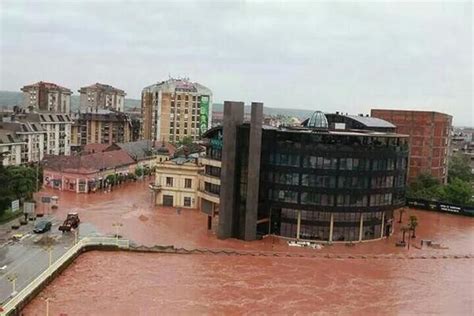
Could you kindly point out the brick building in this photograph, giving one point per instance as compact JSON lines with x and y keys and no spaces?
{"x":429,"y":139}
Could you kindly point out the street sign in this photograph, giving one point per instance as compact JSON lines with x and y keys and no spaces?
{"x":29,"y":208}
{"x":46,"y":199}
{"x":15,"y":205}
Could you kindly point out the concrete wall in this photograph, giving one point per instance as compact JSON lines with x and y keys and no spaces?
{"x":233,"y":117}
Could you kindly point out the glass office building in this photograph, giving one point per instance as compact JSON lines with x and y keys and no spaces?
{"x":316,"y":182}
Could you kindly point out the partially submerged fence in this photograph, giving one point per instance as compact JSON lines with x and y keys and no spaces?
{"x":441,"y":207}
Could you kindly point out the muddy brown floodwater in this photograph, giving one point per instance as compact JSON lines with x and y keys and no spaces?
{"x":121,"y":283}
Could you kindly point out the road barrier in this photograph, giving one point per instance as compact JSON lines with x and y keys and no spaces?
{"x":13,"y":306}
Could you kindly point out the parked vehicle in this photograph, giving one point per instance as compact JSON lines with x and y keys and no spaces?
{"x":72,"y":221}
{"x":42,"y":227}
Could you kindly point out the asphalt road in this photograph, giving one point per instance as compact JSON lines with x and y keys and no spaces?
{"x":26,"y":258}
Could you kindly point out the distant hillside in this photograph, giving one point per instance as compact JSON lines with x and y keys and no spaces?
{"x":302,"y":114}
{"x":8,"y":99}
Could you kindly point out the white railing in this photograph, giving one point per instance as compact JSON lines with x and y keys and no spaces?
{"x":12,"y":304}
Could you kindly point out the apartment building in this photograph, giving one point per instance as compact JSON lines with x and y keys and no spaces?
{"x":47,"y":97}
{"x":210,"y":177}
{"x":175,"y":109}
{"x":429,"y":139}
{"x":176,"y":182}
{"x":33,"y":135}
{"x":101,"y":126}
{"x":101,"y":96}
{"x":10,"y":148}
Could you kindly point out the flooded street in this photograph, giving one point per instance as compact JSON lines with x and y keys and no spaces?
{"x":111,"y":283}
{"x":122,"y":283}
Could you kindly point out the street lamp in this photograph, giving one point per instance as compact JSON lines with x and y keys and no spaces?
{"x":49,"y":249}
{"x":12,"y":278}
{"x":117,"y":228}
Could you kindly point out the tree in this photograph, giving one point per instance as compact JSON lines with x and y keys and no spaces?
{"x":459,"y":167}
{"x":139,"y":171}
{"x":458,"y":192}
{"x":413,"y":224}
{"x":187,"y":140}
{"x":425,"y":186}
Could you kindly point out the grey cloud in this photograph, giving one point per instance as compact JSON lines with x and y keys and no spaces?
{"x":324,"y":55}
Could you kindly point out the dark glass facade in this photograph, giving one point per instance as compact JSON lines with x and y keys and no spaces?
{"x":313,"y":183}
{"x":330,"y":186}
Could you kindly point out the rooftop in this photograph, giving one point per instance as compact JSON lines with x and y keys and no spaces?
{"x":173,"y":85}
{"x":101,"y":86}
{"x":88,"y":163}
{"x":47,"y":85}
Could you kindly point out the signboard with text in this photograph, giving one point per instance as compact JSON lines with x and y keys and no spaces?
{"x":440,"y":207}
{"x":204,"y":114}
{"x":15,"y":205}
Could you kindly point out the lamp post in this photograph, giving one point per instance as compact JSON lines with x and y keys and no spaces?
{"x":117,"y":228}
{"x":12,"y":278}
{"x":47,"y":306}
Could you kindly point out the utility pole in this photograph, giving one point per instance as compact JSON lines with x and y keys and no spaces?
{"x":12,"y":278}
{"x":117,"y":228}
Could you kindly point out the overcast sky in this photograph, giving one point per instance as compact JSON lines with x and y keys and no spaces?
{"x":329,"y":56}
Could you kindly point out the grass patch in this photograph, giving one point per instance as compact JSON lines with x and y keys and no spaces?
{"x":7,"y":215}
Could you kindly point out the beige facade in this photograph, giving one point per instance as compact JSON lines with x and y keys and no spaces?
{"x":102,"y":127}
{"x":47,"y":97}
{"x":11,"y":148}
{"x":177,"y":182}
{"x":101,"y":96}
{"x":33,"y":135}
{"x":175,"y":109}
{"x":209,"y":186}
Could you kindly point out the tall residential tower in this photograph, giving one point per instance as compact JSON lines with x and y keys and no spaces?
{"x":174,"y":109}
{"x":101,"y":96}
{"x":47,"y":97}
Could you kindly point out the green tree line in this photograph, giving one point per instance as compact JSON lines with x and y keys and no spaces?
{"x":457,"y":191}
{"x":16,"y":182}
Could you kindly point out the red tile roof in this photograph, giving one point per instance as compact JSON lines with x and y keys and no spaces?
{"x":47,"y":85}
{"x":95,"y":148}
{"x":88,"y":163}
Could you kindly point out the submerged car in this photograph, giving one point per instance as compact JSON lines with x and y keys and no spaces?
{"x":42,"y":227}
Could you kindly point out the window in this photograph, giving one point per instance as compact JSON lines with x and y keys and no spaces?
{"x":380,"y":199}
{"x":188,"y":183}
{"x":169,"y":181}
{"x":382,"y":182}
{"x":317,"y":199}
{"x":351,"y":200}
{"x":353,"y":182}
{"x":284,"y":195}
{"x":286,"y":178}
{"x":187,"y":201}
{"x":285,"y":159}
{"x":312,"y":180}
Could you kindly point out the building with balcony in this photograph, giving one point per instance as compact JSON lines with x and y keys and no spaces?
{"x":176,"y":182}
{"x":101,"y":96}
{"x":210,"y":176}
{"x":429,"y":133}
{"x":174,"y":109}
{"x":47,"y":97}
{"x":313,"y":182}
{"x":34,"y":137}
{"x":11,"y":148}
{"x":101,"y":126}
